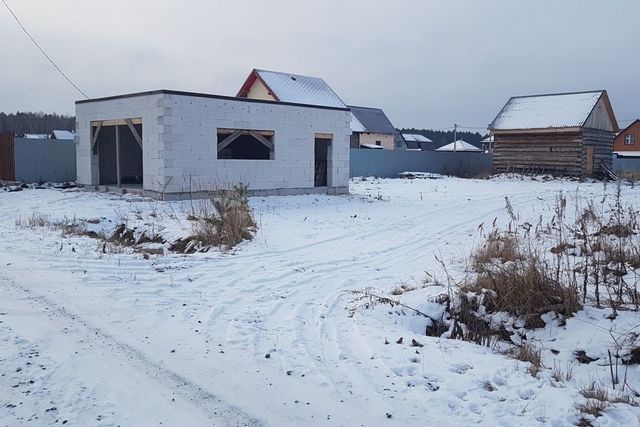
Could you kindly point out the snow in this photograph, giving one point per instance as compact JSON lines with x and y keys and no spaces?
{"x":112,"y":338}
{"x":627,"y":153}
{"x":415,"y":137}
{"x":372,"y":146}
{"x":458,"y":145}
{"x":63,"y":134}
{"x":300,"y":89}
{"x":36,"y":136}
{"x":546,"y":111}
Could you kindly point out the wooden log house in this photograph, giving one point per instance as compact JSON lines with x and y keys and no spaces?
{"x":568,"y":134}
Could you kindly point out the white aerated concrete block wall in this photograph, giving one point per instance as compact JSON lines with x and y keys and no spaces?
{"x":179,"y":133}
{"x":148,"y":108}
{"x":190,"y":144}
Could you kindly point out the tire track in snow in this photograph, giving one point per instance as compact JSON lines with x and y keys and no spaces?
{"x":215,"y":407}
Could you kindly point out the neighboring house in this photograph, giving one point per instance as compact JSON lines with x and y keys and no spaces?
{"x":627,"y":142}
{"x":460,"y":146}
{"x":371,"y":127}
{"x":171,"y":145}
{"x":416,"y":141}
{"x":565,"y":133}
{"x":292,"y":88}
{"x":62,"y":135}
{"x":487,"y":143}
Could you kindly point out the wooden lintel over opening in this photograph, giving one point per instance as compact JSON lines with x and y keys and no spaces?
{"x":264,"y":133}
{"x":324,"y":136}
{"x":117,"y":122}
{"x":135,"y":133}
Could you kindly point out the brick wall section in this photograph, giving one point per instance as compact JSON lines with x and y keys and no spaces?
{"x":180,"y":142}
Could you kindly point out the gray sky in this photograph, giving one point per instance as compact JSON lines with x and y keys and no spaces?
{"x":426,"y":63}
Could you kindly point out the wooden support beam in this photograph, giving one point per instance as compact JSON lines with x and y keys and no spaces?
{"x":261,"y":132}
{"x":262,"y":139}
{"x":117,"y":122}
{"x":94,"y":138}
{"x":135,"y":133}
{"x":228,"y":140}
{"x":119,"y":183}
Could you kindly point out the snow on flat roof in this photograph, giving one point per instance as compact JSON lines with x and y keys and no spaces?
{"x":415,"y":137}
{"x":459,"y":145}
{"x":627,"y":153}
{"x":546,"y":111}
{"x":300,"y":89}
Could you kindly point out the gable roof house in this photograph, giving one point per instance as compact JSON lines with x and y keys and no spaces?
{"x":62,"y":135}
{"x":565,"y":133}
{"x":371,"y":128}
{"x":627,"y":142}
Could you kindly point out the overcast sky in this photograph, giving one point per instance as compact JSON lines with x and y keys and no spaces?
{"x":428,"y":64}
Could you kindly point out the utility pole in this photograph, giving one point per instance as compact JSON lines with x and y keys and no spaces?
{"x":455,"y":136}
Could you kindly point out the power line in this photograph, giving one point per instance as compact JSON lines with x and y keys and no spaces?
{"x":42,"y":50}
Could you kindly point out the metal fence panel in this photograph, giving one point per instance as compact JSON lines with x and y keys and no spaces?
{"x":626,"y":164}
{"x":7,"y":163}
{"x":45,"y":160}
{"x":390,"y":163}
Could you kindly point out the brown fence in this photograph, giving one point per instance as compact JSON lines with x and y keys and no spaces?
{"x":7,"y":157}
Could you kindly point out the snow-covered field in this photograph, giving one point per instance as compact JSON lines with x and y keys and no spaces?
{"x":263,"y":334}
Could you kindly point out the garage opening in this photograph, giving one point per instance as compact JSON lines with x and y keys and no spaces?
{"x":322,"y":145}
{"x":242,"y":144}
{"x":118,"y":145}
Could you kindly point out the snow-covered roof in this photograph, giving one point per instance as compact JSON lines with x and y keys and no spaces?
{"x":372,"y":146}
{"x":459,"y":145}
{"x":627,"y":153}
{"x":564,"y":110}
{"x":62,"y":134}
{"x":415,"y":137}
{"x":295,"y":88}
{"x":36,"y":136}
{"x":488,"y":139}
{"x":372,"y":120}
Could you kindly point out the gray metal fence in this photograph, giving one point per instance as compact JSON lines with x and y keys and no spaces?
{"x":626,"y":164}
{"x":390,"y":163}
{"x":44,"y":160}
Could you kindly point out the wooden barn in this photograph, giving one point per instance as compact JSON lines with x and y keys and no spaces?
{"x":568,"y":134}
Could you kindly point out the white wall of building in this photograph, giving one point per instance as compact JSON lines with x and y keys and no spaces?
{"x":180,"y":142}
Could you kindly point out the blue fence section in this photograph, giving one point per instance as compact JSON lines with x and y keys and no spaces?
{"x":626,"y":164}
{"x":390,"y":163}
{"x":45,"y":160}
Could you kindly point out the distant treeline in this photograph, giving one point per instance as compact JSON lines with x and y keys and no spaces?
{"x":21,"y":123}
{"x":441,"y":138}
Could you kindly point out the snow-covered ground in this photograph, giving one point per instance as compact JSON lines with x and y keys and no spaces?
{"x":264,"y":334}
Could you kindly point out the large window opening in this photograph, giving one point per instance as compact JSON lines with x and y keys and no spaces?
{"x":242,"y":144}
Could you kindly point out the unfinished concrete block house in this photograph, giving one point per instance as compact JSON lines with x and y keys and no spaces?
{"x":170,"y":144}
{"x":565,"y":134}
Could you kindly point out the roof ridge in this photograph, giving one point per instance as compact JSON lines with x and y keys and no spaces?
{"x":288,"y":74}
{"x":559,"y":94}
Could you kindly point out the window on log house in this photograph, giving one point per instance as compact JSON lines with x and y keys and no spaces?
{"x":241,"y":144}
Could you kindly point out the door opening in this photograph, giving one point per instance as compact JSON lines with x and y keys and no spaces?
{"x":321,"y":162}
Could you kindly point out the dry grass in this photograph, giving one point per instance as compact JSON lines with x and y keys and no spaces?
{"x":598,"y":399}
{"x":525,"y":288}
{"x":226,"y":225}
{"x":528,"y":353}
{"x":502,"y":247}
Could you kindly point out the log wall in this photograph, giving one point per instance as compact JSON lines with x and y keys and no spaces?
{"x":559,"y":153}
